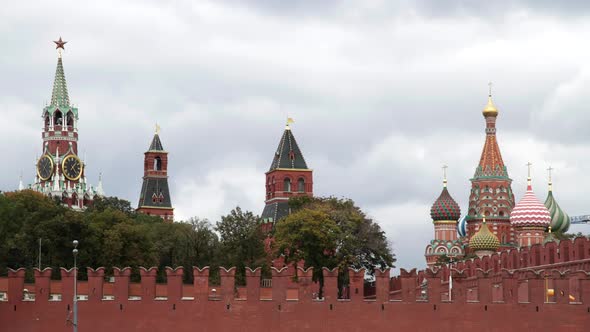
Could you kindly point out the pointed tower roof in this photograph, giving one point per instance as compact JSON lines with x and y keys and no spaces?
{"x":156,"y":144}
{"x":560,"y":221}
{"x":59,"y":96}
{"x":288,"y":154}
{"x":490,"y":162}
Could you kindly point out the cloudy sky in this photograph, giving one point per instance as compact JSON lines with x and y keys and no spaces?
{"x":383,"y":94}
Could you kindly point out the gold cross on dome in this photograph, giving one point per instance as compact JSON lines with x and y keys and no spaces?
{"x":490,"y":88}
{"x":549,"y":171}
{"x":444,"y":168}
{"x":157,"y":129}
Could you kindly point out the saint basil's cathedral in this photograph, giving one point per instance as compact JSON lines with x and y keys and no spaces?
{"x":493,"y":221}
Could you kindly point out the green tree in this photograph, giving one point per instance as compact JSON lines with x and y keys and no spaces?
{"x":242,"y":242}
{"x":332,"y":232}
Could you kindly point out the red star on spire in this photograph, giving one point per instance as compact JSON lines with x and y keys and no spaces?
{"x":60,"y":44}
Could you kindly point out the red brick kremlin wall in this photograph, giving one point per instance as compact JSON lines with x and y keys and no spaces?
{"x":505,"y":292}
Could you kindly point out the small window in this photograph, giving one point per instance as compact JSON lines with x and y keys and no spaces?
{"x":70,"y":119}
{"x":157,"y":164}
{"x":58,"y":118}
{"x":287,"y":185}
{"x":301,"y":185}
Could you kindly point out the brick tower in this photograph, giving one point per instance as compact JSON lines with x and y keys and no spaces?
{"x":287,"y":177}
{"x":445,"y":213}
{"x":491,"y":193}
{"x":60,"y":172}
{"x":154,"y":198}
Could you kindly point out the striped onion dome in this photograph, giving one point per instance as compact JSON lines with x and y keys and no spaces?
{"x":560,"y":221}
{"x":462,"y":226}
{"x":445,"y":207}
{"x":530,"y":211}
{"x":484,"y":239}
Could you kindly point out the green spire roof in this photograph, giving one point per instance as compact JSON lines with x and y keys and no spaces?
{"x":156,"y":144}
{"x":288,"y":154}
{"x":60,"y":97}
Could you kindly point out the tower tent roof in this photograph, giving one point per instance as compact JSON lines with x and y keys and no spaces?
{"x":288,"y":154}
{"x":156,"y":144}
{"x":59,"y":96}
{"x":491,"y":159}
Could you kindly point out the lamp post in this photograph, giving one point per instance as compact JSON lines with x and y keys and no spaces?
{"x":75,"y":252}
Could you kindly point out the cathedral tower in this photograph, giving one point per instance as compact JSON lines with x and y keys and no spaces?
{"x":444,"y":212}
{"x":491,"y":193}
{"x":154,"y":198}
{"x":287,"y":177}
{"x":530,"y":218}
{"x":60,"y":172}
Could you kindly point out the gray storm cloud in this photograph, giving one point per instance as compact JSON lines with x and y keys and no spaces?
{"x":382,"y":94}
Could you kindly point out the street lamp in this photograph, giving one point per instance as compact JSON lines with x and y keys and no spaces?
{"x":75,"y":252}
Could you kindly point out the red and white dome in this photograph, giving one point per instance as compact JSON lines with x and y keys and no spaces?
{"x":530,"y":211}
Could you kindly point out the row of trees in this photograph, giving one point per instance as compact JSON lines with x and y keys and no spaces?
{"x":321,"y":231}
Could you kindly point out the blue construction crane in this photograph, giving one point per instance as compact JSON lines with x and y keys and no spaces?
{"x":581,"y":219}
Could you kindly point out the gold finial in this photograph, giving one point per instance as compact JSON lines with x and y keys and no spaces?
{"x":550,"y":181}
{"x":490,"y":109}
{"x":529,"y":174}
{"x":157,"y":129}
{"x":289,"y":122}
{"x":445,"y":175}
{"x":550,"y":229}
{"x":484,"y":217}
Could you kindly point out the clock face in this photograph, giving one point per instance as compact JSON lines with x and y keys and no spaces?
{"x":72,"y":167}
{"x":45,"y":167}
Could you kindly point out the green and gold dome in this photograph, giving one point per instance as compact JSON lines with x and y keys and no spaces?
{"x":484,"y":239}
{"x":560,"y":221}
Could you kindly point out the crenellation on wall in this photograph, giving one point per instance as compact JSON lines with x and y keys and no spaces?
{"x":148,"y":282}
{"x":503,"y":285}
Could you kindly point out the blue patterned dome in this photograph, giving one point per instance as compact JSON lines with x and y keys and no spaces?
{"x":462,"y":226}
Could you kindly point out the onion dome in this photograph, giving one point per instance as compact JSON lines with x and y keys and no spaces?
{"x":445,"y":207}
{"x":490,"y":109}
{"x":560,"y":221}
{"x":462,"y":226}
{"x":530,"y":211}
{"x":484,"y":239}
{"x":550,"y":237}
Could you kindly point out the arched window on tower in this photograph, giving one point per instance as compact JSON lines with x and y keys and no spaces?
{"x":46,"y":121}
{"x":157,"y":164}
{"x":301,"y":185}
{"x":70,"y":120}
{"x":287,"y":185}
{"x":57,"y":118}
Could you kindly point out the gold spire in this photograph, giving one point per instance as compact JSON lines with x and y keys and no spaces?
{"x":157,"y":129}
{"x":490,"y":109}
